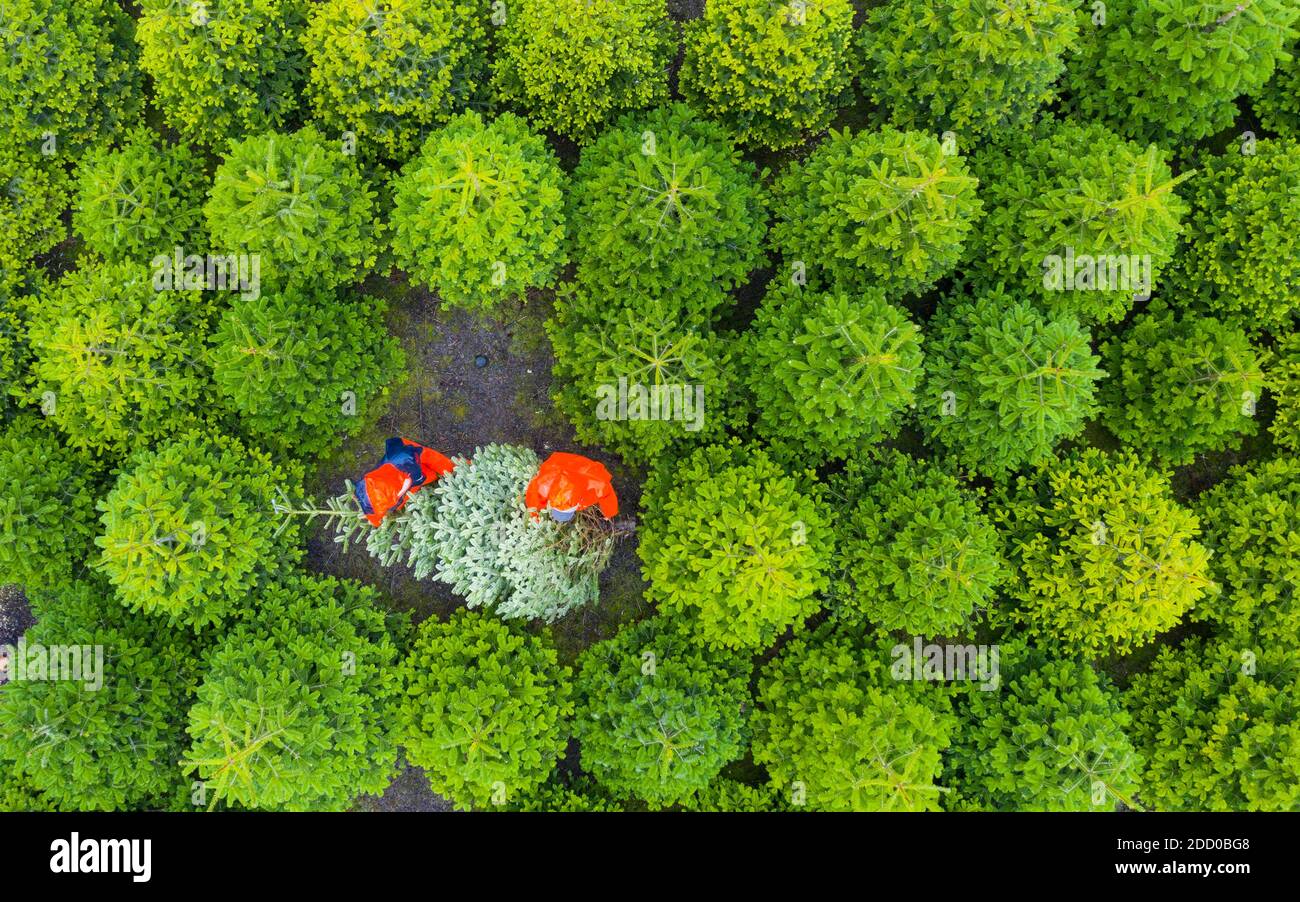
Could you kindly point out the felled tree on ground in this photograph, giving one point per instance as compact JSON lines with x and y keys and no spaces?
{"x":658,"y":717}
{"x":297,"y":706}
{"x":472,"y":531}
{"x":486,"y":709}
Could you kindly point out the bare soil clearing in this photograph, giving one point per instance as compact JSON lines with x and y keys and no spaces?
{"x":15,"y":616}
{"x":450,"y":404}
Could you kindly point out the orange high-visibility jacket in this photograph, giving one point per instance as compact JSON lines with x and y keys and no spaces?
{"x":564,"y":481}
{"x":406,"y":466}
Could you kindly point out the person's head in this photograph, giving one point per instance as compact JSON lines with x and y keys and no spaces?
{"x":562,"y":515}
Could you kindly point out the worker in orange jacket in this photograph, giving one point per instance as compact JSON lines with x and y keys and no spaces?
{"x":567,"y":483}
{"x":406,"y":467}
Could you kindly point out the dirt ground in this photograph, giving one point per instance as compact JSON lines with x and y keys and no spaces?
{"x":15,"y":617}
{"x":408,"y":792}
{"x":685,"y":10}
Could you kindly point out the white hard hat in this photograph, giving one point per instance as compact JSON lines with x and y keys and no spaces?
{"x":562,"y":516}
